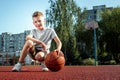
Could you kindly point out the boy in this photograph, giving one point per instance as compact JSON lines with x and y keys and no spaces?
{"x":38,"y":42}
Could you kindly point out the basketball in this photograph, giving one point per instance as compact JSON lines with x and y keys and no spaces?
{"x":55,"y":61}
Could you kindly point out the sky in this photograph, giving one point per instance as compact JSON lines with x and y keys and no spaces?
{"x":15,"y":15}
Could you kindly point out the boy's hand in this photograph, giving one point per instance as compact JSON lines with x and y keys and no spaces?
{"x":58,"y":50}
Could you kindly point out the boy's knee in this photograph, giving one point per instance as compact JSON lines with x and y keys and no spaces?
{"x":29,"y":42}
{"x":40,"y":56}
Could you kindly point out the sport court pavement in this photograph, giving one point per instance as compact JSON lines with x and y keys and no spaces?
{"x":111,"y":72}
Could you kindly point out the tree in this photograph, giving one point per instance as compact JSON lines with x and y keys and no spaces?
{"x":111,"y":28}
{"x":63,"y":16}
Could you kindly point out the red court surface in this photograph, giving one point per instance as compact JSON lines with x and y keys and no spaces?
{"x":67,"y":73}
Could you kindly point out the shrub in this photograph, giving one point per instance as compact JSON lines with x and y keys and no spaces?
{"x":88,"y":61}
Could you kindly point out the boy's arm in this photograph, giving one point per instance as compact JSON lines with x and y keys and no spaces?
{"x":59,"y":44}
{"x":29,"y":37}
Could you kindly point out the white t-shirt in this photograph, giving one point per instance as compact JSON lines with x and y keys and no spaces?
{"x":45,"y":36}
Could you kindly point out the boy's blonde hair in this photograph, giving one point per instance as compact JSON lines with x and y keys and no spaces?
{"x":37,"y":13}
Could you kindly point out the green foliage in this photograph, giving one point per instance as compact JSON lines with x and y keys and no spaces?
{"x":110,"y":39}
{"x":77,"y":43}
{"x":63,"y":17}
{"x":110,"y":20}
{"x":104,"y":54}
{"x":112,"y":62}
{"x":88,"y":61}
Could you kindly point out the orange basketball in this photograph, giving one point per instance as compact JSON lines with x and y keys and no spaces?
{"x":55,"y":61}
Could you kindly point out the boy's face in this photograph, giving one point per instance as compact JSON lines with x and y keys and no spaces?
{"x":39,"y":22}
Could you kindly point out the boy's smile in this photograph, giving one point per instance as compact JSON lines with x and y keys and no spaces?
{"x":39,"y":22}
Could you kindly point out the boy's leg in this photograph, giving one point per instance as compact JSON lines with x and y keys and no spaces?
{"x":40,"y":56}
{"x":25,"y":50}
{"x":28,"y":45}
{"x":44,"y":68}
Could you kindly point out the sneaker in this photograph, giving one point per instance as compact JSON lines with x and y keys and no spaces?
{"x":44,"y":68}
{"x":17,"y":67}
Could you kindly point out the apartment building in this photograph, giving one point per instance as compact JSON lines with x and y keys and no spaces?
{"x":95,"y":13}
{"x":11,"y":44}
{"x":0,"y":42}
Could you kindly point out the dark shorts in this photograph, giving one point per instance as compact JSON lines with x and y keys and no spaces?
{"x":34,"y":50}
